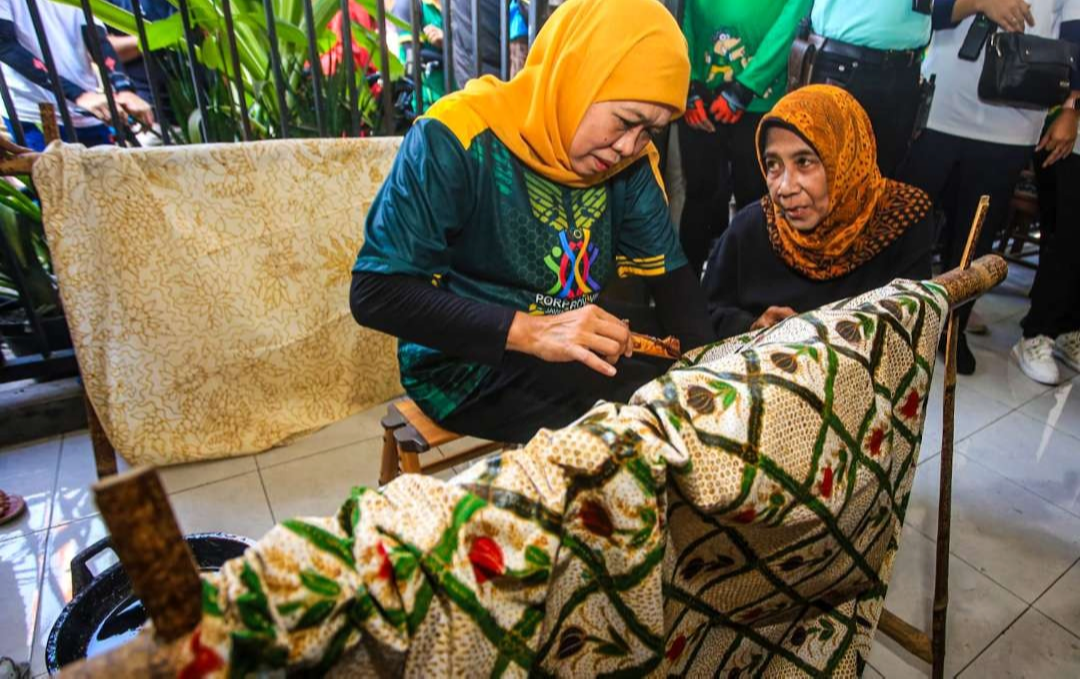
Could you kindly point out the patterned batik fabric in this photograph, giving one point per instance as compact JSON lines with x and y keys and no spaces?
{"x":207,"y":289}
{"x":740,"y":516}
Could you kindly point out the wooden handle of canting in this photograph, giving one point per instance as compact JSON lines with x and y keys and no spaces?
{"x":155,"y":556}
{"x":965,"y":285}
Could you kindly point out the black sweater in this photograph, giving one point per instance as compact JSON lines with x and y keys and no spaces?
{"x":745,"y":276}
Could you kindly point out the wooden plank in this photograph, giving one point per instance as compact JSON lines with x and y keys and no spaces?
{"x":911,"y":638}
{"x":152,"y":550}
{"x":429,"y":432}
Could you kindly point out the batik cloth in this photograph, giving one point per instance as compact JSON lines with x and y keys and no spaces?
{"x":742,"y":514}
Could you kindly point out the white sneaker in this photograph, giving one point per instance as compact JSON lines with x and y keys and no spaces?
{"x":1067,"y":348}
{"x":1036,"y":359}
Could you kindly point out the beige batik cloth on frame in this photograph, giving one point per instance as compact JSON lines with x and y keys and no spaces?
{"x":207,"y":289}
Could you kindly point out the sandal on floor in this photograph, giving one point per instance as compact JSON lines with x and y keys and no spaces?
{"x":10,"y":507}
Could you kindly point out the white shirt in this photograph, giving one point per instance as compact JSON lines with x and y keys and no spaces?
{"x":957,"y":109}
{"x":64,"y":29}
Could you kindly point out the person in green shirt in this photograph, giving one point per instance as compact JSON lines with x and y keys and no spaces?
{"x":738,"y":71}
{"x":431,"y":38}
{"x":508,"y":211}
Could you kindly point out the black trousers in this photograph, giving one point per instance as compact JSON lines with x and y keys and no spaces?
{"x":716,"y":164}
{"x":956,"y":172}
{"x":525,"y":394}
{"x":890,"y":97}
{"x":1055,"y":295}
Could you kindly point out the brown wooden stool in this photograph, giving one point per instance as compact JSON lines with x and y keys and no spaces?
{"x":408,"y":433}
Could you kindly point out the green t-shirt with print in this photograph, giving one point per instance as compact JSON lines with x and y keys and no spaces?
{"x":475,"y":221}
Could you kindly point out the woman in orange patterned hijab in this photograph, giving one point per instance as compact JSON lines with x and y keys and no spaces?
{"x":823,"y":230}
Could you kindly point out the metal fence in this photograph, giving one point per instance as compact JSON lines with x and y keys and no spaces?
{"x":230,"y":75}
{"x":242,"y":70}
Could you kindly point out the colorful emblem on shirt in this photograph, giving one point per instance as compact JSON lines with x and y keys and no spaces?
{"x":570,"y":260}
{"x":726,"y":58}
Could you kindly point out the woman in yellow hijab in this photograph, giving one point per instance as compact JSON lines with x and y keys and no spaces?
{"x":509,"y":209}
{"x":831,"y":226}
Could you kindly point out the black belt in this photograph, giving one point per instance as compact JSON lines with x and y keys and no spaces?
{"x":871,"y":56}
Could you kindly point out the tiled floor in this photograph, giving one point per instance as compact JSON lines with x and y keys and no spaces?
{"x":1015,"y":566}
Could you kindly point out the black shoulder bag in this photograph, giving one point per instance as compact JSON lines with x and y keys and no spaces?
{"x":1026,"y":71}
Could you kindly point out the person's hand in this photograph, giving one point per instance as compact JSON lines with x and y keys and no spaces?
{"x":696,"y":117}
{"x":772,"y":316}
{"x":95,"y":103}
{"x":728,"y":108}
{"x":1010,"y":15}
{"x":588,"y":335}
{"x":1060,"y":139}
{"x":134,"y":106}
{"x":434,"y":35}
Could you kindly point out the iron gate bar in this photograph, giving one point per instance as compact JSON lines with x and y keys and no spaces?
{"x":417,"y":12}
{"x":384,"y":71}
{"x":316,"y":66}
{"x":119,"y":124}
{"x":504,"y":39}
{"x":147,"y":56}
{"x":193,"y":67}
{"x":275,"y":65}
{"x":238,"y":79}
{"x":13,"y":116}
{"x":50,"y":67}
{"x":350,"y":69}
{"x":474,"y":17}
{"x":448,"y":50}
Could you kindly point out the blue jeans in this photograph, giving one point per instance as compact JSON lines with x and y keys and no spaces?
{"x":96,"y":135}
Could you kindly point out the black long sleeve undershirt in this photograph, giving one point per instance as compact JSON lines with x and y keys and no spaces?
{"x":416,"y":311}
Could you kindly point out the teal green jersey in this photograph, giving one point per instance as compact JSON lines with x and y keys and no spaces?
{"x":475,"y":221}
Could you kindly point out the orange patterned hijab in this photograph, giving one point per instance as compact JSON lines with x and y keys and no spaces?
{"x":868,"y":212}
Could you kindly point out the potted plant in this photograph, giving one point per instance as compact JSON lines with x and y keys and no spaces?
{"x":21,"y":228}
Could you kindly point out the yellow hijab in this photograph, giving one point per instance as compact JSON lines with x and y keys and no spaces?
{"x":589,"y":51}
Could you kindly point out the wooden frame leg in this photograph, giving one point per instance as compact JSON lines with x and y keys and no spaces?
{"x":104,"y":453}
{"x":389,"y":470}
{"x":410,"y":462}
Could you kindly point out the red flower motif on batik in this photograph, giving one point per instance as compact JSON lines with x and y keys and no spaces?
{"x":386,"y":569}
{"x":745,"y":516}
{"x":487,"y":559}
{"x":911,"y":406}
{"x":204,"y":660}
{"x":38,"y":65}
{"x":676,"y":648}
{"x":596,"y":519}
{"x":877,"y":437}
{"x":826,"y":485}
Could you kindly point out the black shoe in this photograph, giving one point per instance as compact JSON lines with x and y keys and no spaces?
{"x":965,"y":360}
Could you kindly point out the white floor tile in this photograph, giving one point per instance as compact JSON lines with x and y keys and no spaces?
{"x":1032,"y":453}
{"x":1062,"y":601}
{"x":973,"y":411}
{"x":30,"y":471}
{"x":362,"y":426}
{"x":1002,"y":303}
{"x":65,"y":542}
{"x":1015,"y":537}
{"x":236,"y":506}
{"x":21,"y":563}
{"x":181,"y":477}
{"x":979,"y":609}
{"x":871,"y":673}
{"x":1060,"y":407}
{"x":77,"y":473}
{"x":1033,"y":648}
{"x":317,"y":485}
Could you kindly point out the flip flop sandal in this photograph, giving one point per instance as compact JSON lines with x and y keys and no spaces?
{"x":10,"y":507}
